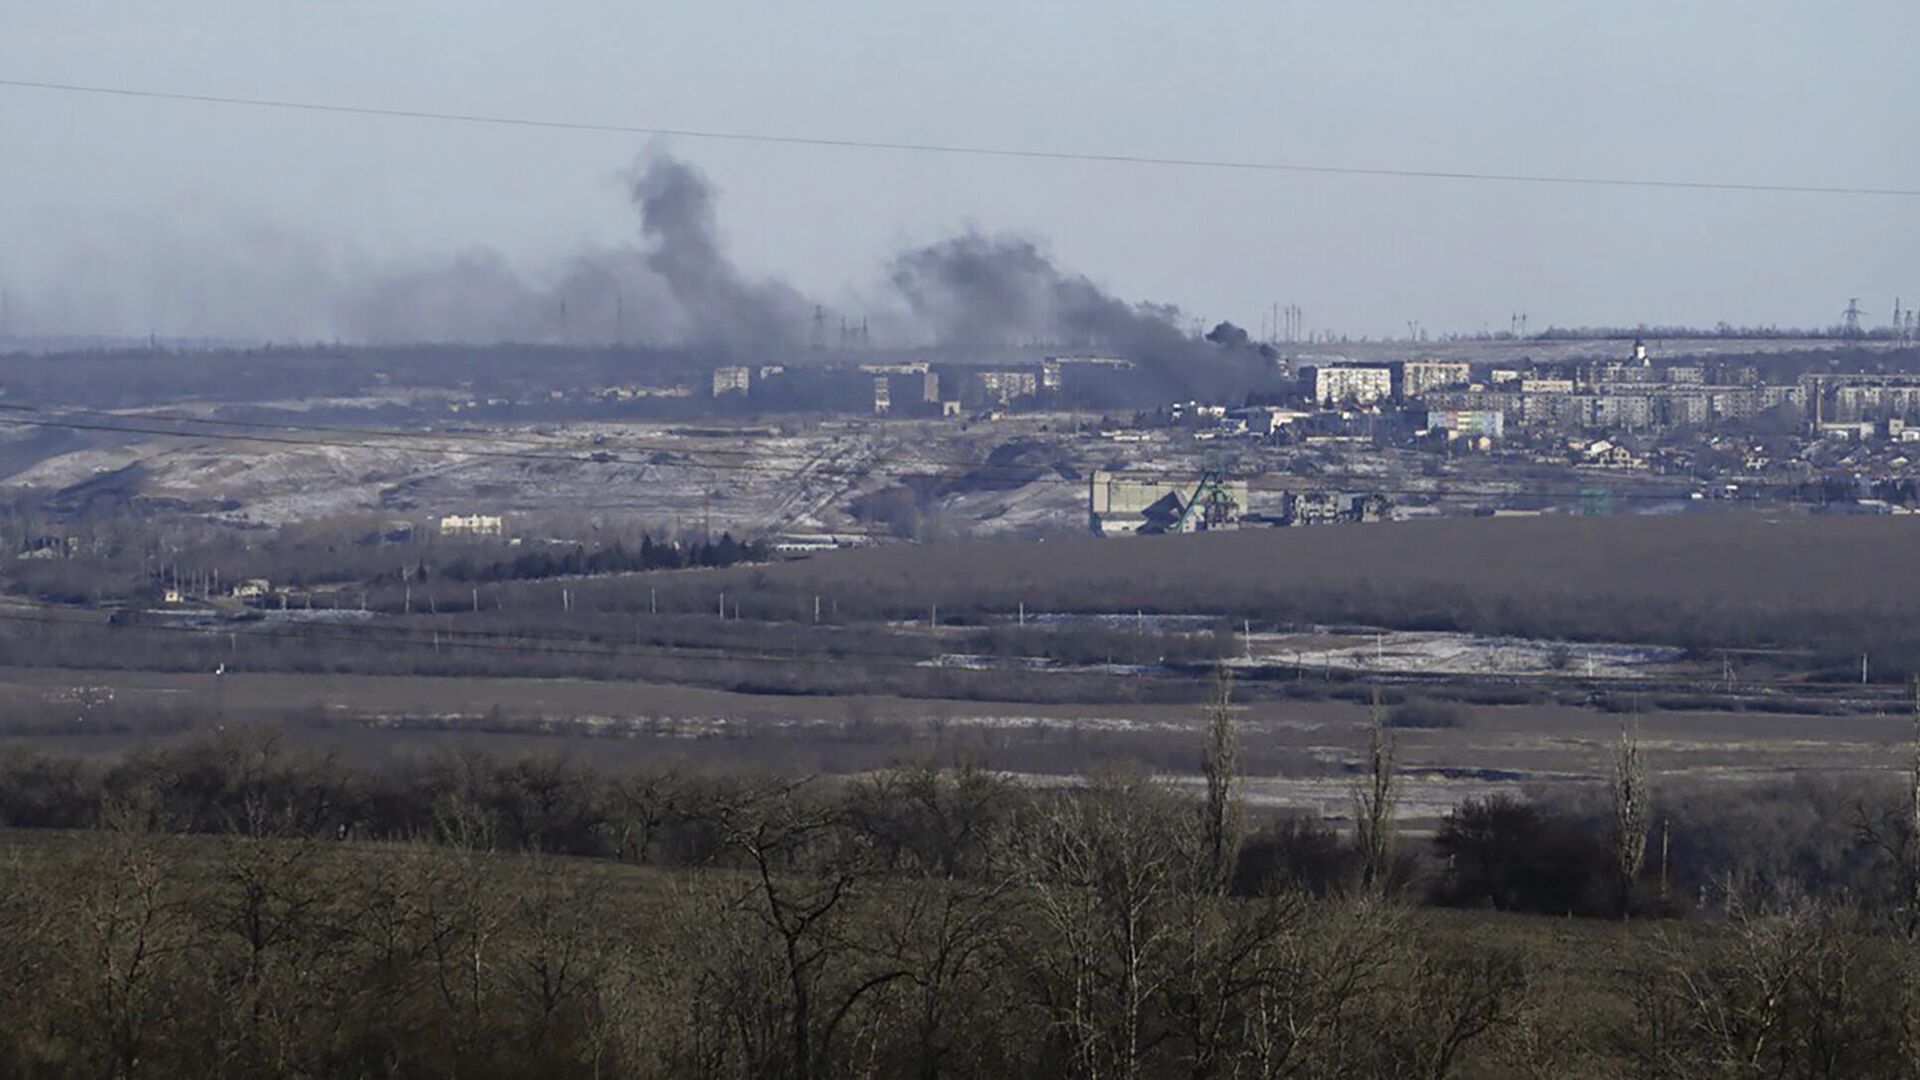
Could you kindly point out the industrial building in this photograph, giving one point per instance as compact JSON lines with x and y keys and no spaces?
{"x":1321,"y":507}
{"x":1119,"y":504}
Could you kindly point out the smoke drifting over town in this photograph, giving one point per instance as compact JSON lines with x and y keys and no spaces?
{"x":980,"y":289}
{"x":674,"y":284}
{"x":717,"y":303}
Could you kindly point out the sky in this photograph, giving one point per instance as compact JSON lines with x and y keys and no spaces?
{"x":124,"y":216}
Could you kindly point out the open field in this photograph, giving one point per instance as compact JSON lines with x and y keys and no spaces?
{"x":1296,"y":753}
{"x":1540,"y":636}
{"x":1702,"y":582}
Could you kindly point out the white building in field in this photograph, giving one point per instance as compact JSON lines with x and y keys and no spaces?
{"x":471,"y":525}
{"x":732,"y":379}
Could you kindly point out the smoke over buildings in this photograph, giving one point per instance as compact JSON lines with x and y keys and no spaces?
{"x":718,"y":304}
{"x":672,"y":283}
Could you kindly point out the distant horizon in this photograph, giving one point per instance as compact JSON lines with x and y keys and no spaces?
{"x":1878,"y":336}
{"x":196,"y":219}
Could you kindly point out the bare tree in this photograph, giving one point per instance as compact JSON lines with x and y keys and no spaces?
{"x":1305,"y":1016}
{"x":803,"y":885}
{"x":1789,"y":994}
{"x":1104,"y":867}
{"x":1632,"y":807}
{"x":1376,"y":796}
{"x":268,"y":936}
{"x":944,"y":936}
{"x":1225,"y":808}
{"x":552,"y":960}
{"x":646,"y":803}
{"x":131,"y":923}
{"x":1448,"y":1003}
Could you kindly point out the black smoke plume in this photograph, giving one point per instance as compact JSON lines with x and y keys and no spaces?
{"x":674,"y":283}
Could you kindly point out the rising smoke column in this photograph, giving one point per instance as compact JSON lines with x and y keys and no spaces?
{"x":718,"y":304}
{"x":670,"y":282}
{"x":983,"y":290}
{"x":677,"y":285}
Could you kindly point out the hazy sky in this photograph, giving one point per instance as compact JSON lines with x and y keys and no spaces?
{"x":119,"y":215}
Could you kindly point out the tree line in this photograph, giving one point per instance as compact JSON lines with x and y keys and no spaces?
{"x":617,"y":558}
{"x":232,"y":906}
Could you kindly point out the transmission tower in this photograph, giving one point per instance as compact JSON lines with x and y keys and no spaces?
{"x":1850,"y":326}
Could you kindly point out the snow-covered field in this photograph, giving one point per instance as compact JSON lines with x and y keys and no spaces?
{"x":805,"y":478}
{"x":1442,"y":653}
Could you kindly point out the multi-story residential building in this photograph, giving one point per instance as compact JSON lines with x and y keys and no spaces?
{"x":1470,"y":423}
{"x":1357,"y":384}
{"x":1418,"y":378}
{"x":1005,"y":385}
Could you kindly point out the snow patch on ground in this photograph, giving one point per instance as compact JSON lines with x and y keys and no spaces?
{"x":1444,"y":653}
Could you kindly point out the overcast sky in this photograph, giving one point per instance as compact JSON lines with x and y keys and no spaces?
{"x":120,"y":215}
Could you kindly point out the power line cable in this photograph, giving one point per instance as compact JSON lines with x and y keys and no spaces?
{"x":958,"y":149}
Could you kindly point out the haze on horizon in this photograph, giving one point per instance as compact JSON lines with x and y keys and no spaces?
{"x":124,"y":216}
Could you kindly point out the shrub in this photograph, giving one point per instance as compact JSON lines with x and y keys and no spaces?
{"x":1426,"y":713}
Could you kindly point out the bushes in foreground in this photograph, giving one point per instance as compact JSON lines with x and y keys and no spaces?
{"x":234,"y":908}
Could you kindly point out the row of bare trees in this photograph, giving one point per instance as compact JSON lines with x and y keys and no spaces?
{"x":921,"y":923}
{"x":213,"y":918}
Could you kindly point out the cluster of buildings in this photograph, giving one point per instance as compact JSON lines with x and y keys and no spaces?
{"x":471,"y":526}
{"x":1120,"y":504}
{"x":1142,"y":503}
{"x":1489,"y":403}
{"x":912,"y":387}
